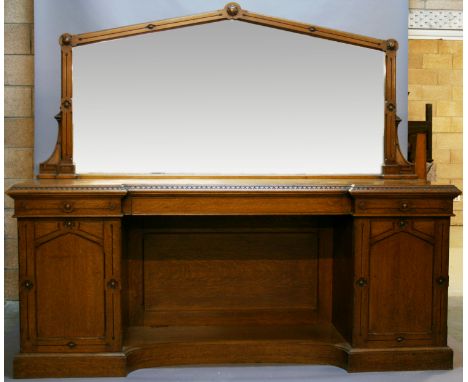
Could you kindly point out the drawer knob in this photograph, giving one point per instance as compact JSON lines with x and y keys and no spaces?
{"x":67,"y":207}
{"x":404,"y":206}
{"x":113,"y":284}
{"x":362,"y":282}
{"x":400,"y":339}
{"x":28,"y":284}
{"x":71,"y":345}
{"x":402,"y":223}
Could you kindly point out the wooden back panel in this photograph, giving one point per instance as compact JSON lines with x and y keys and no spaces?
{"x":218,"y":270}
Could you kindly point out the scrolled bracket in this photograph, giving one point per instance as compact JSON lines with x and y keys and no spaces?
{"x":55,"y":166}
{"x":60,"y":163}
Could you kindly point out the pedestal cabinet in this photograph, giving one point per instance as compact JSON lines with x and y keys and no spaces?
{"x":402,"y":265}
{"x":120,"y":276}
{"x":69,"y":288}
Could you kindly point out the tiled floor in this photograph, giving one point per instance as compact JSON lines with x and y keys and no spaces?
{"x":262,"y":373}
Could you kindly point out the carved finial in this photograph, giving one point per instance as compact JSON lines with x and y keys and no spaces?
{"x":66,"y":39}
{"x":232,"y":9}
{"x":392,"y":44}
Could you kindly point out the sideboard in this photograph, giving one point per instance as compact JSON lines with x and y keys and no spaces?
{"x":117,"y":275}
{"x":337,"y":256}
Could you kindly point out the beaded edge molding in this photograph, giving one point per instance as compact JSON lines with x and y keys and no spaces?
{"x":224,"y":187}
{"x":189,"y":187}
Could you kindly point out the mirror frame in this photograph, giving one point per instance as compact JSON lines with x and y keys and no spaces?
{"x":60,"y":163}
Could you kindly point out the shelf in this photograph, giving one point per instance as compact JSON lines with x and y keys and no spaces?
{"x":319,"y":343}
{"x":319,"y":333}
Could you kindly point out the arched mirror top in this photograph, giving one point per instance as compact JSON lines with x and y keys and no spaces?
{"x":233,"y":127}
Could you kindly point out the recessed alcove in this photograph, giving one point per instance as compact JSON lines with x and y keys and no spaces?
{"x":247,"y":280}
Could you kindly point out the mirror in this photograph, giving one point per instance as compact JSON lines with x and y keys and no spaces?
{"x":228,"y":97}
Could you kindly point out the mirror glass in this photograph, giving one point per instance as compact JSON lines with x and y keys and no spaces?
{"x":228,"y":98}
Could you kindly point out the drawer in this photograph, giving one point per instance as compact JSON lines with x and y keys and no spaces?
{"x":402,"y":207}
{"x":68,"y":207}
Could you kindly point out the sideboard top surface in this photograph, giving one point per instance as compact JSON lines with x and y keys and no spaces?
{"x":133,"y":186}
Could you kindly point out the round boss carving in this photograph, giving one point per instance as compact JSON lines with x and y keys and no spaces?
{"x":28,"y":284}
{"x":441,"y":280}
{"x":66,"y":39}
{"x":232,"y":9}
{"x":362,"y":282}
{"x":113,"y":284}
{"x":66,"y":104}
{"x":391,"y":107}
{"x":392,"y":44}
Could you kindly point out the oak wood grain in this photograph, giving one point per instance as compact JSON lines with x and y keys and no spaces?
{"x":321,"y":271}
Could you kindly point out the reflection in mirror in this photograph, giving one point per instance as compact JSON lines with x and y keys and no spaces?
{"x":228,"y":98}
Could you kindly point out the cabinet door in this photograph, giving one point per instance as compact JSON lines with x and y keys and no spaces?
{"x":401,"y":281}
{"x":70,"y":285}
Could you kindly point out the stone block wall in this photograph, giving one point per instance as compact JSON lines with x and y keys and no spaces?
{"x":435,"y":76}
{"x":456,"y":5}
{"x":18,"y":120}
